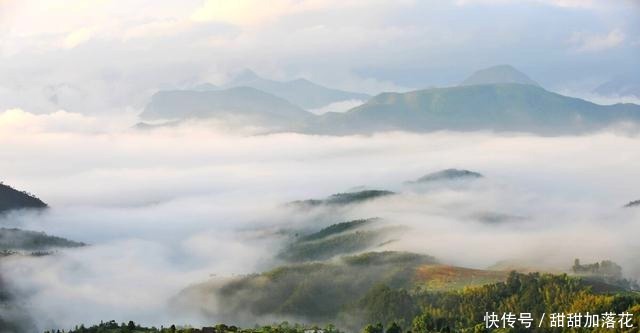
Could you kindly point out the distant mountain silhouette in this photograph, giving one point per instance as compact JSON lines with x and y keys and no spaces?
{"x":499,"y":98}
{"x":11,"y":198}
{"x":301,"y":92}
{"x":498,"y":74}
{"x":243,"y":104}
{"x":628,"y":85}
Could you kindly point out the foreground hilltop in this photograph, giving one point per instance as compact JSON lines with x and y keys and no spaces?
{"x":11,"y":198}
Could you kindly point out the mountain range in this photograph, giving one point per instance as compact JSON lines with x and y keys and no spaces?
{"x":499,"y":98}
{"x":500,"y":107}
{"x":301,"y":92}
{"x":241,"y":104}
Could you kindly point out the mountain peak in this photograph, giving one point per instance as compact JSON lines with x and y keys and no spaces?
{"x":245,"y":75}
{"x":498,"y":74}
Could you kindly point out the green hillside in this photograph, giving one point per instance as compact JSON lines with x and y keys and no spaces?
{"x":343,"y":198}
{"x":410,"y":290}
{"x":318,"y":291}
{"x":336,"y":229}
{"x":336,"y":239}
{"x":501,"y":107}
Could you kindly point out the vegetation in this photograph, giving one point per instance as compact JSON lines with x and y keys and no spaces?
{"x":318,"y":291}
{"x":337,"y":239}
{"x":11,"y":198}
{"x":606,"y":271}
{"x":132,"y":327}
{"x":500,"y":107}
{"x":344,"y":198}
{"x":447,"y":174}
{"x":450,"y":278}
{"x":388,"y":308}
{"x":12,"y":240}
{"x":337,"y":228}
{"x":330,"y":247}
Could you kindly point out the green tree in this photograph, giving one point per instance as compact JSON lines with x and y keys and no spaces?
{"x":394,"y":328}
{"x":377,"y":328}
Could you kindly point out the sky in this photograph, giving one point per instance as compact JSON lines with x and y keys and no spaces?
{"x":109,"y":56}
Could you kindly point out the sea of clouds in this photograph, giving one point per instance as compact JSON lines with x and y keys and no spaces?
{"x":169,"y":207}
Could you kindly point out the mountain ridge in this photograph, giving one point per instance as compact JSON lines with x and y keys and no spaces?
{"x":238,"y":102}
{"x":300,"y":91}
{"x":499,"y":107}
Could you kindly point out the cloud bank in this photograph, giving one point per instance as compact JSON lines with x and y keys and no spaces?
{"x":166,"y":208}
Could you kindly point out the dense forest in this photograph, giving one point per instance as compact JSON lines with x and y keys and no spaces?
{"x":384,"y":309}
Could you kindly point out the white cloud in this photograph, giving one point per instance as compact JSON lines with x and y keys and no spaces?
{"x":19,"y":121}
{"x":186,"y":202}
{"x":77,"y":37}
{"x":253,"y":12}
{"x":557,"y":3}
{"x":342,"y":106}
{"x":595,"y":43}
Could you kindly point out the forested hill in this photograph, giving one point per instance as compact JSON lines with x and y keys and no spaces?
{"x":500,"y":107}
{"x":12,"y":239}
{"x":11,"y":198}
{"x":383,"y":308}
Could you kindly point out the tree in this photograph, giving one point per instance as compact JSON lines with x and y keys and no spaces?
{"x":394,"y":328}
{"x":423,"y":323}
{"x":377,"y":328}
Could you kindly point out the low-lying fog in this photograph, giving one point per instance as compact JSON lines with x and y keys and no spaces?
{"x":169,"y":207}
